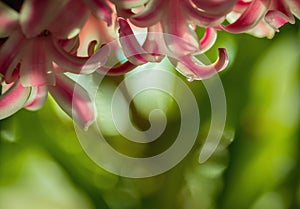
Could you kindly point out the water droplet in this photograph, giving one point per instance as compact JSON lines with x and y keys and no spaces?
{"x":190,"y":78}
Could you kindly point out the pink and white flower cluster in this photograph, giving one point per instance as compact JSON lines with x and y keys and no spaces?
{"x":41,"y":41}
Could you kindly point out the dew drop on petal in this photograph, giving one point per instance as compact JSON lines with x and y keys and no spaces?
{"x":190,"y":78}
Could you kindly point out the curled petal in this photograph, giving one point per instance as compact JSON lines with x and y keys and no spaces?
{"x":129,"y":4}
{"x":74,"y":100}
{"x":208,"y":39}
{"x":198,"y":16}
{"x":37,"y":98}
{"x":125,"y":13}
{"x":36,"y":15}
{"x":13,"y":100}
{"x":154,"y":43}
{"x":262,"y":29}
{"x":36,"y":66}
{"x":276,"y":19}
{"x":74,"y":64}
{"x":193,"y":69}
{"x":10,"y":55}
{"x":70,"y":45}
{"x":94,"y":30}
{"x":150,"y":14}
{"x":8,"y":20}
{"x":117,"y":69}
{"x":294,"y":7}
{"x":100,"y":9}
{"x":131,"y":47}
{"x":279,"y":15}
{"x":249,"y":18}
{"x":216,"y":8}
{"x":68,"y":22}
{"x":175,"y":23}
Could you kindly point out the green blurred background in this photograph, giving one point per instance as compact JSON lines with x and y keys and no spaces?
{"x":256,"y":166}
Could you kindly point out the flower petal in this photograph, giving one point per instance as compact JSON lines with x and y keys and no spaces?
{"x":94,"y":30}
{"x":279,"y":15}
{"x":100,"y":9}
{"x":249,"y":18}
{"x":194,"y":69}
{"x":294,"y":7}
{"x":129,"y":4}
{"x":75,"y":101}
{"x":208,"y":39}
{"x":199,"y":17}
{"x":154,"y":43}
{"x":36,"y":15}
{"x":9,"y":20}
{"x":10,"y":55}
{"x":217,"y":8}
{"x":131,"y":47}
{"x":37,"y":98}
{"x":68,"y":22}
{"x":36,"y":66}
{"x":13,"y":100}
{"x":70,"y":45}
{"x":175,"y":23}
{"x":150,"y":14}
{"x":74,"y":64}
{"x":117,"y":69}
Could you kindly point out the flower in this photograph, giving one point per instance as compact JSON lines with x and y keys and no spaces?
{"x":172,"y":32}
{"x":41,"y":46}
{"x":41,"y":41}
{"x":261,"y":18}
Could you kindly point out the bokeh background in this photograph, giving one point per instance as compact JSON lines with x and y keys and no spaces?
{"x":256,"y":166}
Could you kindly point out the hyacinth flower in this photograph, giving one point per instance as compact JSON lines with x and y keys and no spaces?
{"x":261,"y":18}
{"x":180,"y":43}
{"x":41,"y":46}
{"x":41,"y":41}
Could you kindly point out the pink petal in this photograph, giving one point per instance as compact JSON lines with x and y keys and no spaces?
{"x":94,"y":30}
{"x":8,"y":20}
{"x":154,"y":43}
{"x":37,"y":98}
{"x":36,"y":15}
{"x":249,"y":18}
{"x":13,"y":100}
{"x":10,"y":55}
{"x":117,"y":69}
{"x":75,"y":101}
{"x":74,"y":64}
{"x":129,"y":4}
{"x":125,"y":13}
{"x":194,"y":69}
{"x":131,"y":48}
{"x":208,"y":39}
{"x":294,"y":7}
{"x":262,"y":29}
{"x":150,"y":14}
{"x":279,"y":15}
{"x":68,"y":22}
{"x":175,"y":23}
{"x":199,"y":17}
{"x":101,"y":9}
{"x":276,"y":19}
{"x":36,"y":66}
{"x":217,"y":8}
{"x":70,"y":45}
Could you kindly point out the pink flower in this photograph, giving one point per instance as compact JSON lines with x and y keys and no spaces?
{"x":178,"y":36}
{"x":41,"y":46}
{"x":261,"y":17}
{"x":42,"y":41}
